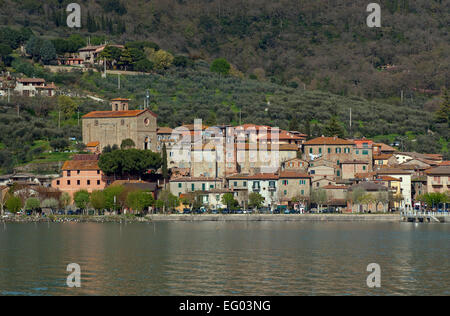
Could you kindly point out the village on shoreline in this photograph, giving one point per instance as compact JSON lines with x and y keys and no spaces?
{"x":132,"y":166}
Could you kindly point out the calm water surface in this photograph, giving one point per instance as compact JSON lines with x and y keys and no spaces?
{"x":259,"y":258}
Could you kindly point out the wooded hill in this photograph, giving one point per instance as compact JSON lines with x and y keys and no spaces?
{"x":321,"y":44}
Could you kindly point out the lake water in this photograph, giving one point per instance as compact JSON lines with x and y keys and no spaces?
{"x":225,"y":258}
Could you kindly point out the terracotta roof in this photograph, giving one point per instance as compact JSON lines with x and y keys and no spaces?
{"x":329,"y":141}
{"x":112,"y":114}
{"x":86,"y":157}
{"x":382,"y":157}
{"x":282,"y":135}
{"x":92,"y":144}
{"x":31,"y":80}
{"x":445,"y":163}
{"x":385,"y":147}
{"x":164,"y":130}
{"x":441,"y":170}
{"x":120,"y":99}
{"x":81,"y":165}
{"x":387,"y":178}
{"x":293,"y":175}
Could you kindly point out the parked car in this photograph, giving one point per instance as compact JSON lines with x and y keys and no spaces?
{"x":187,"y":211}
{"x":70,"y":213}
{"x":226,"y":211}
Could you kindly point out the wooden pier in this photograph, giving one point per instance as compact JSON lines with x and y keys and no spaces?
{"x":426,"y":217}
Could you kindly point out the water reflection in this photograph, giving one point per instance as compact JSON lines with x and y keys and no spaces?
{"x":261,"y":258}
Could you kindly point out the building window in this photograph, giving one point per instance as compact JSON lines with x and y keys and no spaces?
{"x":364,"y":168}
{"x":365,"y":152}
{"x":303,"y":192}
{"x":179,"y":185}
{"x":68,"y":173}
{"x":310,"y":150}
{"x":357,"y":152}
{"x":98,"y":171}
{"x":285,"y":192}
{"x":320,"y":150}
{"x":88,"y":182}
{"x":235,"y":183}
{"x":338,"y":173}
{"x":245,"y":183}
{"x":96,"y":123}
{"x":68,"y":182}
{"x":57,"y":182}
{"x":78,"y":182}
{"x":122,"y":122}
{"x":98,"y":182}
{"x":211,"y":186}
{"x":193,"y":187}
{"x":78,"y":171}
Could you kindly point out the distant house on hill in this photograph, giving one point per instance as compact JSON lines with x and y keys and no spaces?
{"x":31,"y":87}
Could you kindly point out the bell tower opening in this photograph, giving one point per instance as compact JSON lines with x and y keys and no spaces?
{"x":119,"y":104}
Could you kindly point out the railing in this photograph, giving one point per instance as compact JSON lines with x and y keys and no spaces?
{"x":419,"y":214}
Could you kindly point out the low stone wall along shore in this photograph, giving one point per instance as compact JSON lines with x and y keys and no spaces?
{"x":210,"y":218}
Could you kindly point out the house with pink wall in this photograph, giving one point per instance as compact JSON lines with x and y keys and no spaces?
{"x":81,"y":173}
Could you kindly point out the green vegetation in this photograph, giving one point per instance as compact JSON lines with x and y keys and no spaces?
{"x":129,"y":162}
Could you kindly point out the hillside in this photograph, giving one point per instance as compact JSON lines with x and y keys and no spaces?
{"x":180,"y":95}
{"x":319,"y":44}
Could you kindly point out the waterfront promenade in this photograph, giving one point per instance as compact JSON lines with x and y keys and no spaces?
{"x":214,"y":218}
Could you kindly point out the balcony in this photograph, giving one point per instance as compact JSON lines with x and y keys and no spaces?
{"x":256,"y":189}
{"x":272,"y":189}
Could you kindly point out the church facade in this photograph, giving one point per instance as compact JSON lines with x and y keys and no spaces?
{"x":112,"y":127}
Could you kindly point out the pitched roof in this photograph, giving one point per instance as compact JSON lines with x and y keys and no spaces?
{"x":441,"y":170}
{"x":293,"y":175}
{"x":114,"y":114}
{"x":92,"y":144}
{"x":382,"y":157}
{"x":120,"y":99}
{"x":31,"y":80}
{"x":164,"y":130}
{"x":81,"y":165}
{"x":329,"y":141}
{"x":384,"y":147}
{"x":195,"y":179}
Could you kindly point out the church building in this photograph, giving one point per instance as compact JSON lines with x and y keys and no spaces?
{"x":112,"y":127}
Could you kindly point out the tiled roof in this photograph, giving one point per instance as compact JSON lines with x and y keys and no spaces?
{"x":329,"y":141}
{"x":120,"y":99}
{"x":445,"y":163}
{"x":441,"y":170}
{"x":293,"y":175}
{"x":382,"y":157}
{"x":81,"y":165}
{"x":387,"y":178}
{"x":384,"y":147}
{"x":113,"y":114}
{"x":164,"y":130}
{"x":92,"y":144}
{"x":31,"y":80}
